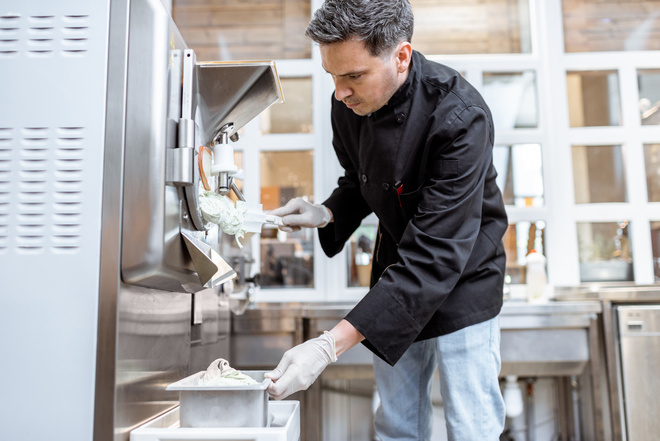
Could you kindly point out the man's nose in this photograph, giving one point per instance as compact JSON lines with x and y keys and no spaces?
{"x":341,"y":90}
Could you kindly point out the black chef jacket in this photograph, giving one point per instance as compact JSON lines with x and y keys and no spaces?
{"x":423,"y":165}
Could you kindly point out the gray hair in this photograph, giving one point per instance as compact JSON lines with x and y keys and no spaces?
{"x":381,"y":24}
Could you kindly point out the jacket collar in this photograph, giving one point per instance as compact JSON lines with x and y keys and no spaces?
{"x":407,"y":88}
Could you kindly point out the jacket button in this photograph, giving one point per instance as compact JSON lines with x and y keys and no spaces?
{"x":400,"y":118}
{"x":364,"y":178}
{"x":386,"y":186}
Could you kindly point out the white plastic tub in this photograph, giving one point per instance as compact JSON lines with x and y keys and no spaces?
{"x":222,"y":406}
{"x":285,"y":426}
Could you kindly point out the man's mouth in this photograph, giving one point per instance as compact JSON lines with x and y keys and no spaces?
{"x":351,"y":105}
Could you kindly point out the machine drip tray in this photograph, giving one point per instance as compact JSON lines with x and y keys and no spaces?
{"x":284,"y":426}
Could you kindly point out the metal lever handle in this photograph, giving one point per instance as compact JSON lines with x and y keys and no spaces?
{"x":237,"y":191}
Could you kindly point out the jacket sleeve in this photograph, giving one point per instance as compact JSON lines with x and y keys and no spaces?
{"x":346,"y":202}
{"x":438,"y":240}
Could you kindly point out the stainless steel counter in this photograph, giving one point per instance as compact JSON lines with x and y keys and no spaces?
{"x":537,"y":339}
{"x":613,"y":293}
{"x":311,"y":310}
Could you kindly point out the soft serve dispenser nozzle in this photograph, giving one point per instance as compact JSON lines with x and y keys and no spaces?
{"x":223,"y":162}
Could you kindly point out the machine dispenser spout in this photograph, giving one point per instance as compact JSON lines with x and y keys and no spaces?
{"x":223,"y":160}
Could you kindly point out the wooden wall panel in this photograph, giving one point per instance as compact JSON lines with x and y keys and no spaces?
{"x":468,"y":26}
{"x":611,"y":25}
{"x":244,"y":30}
{"x":274,"y":29}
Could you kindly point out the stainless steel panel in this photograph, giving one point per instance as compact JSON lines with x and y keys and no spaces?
{"x":153,"y":349}
{"x":546,"y":340}
{"x":53,"y":78}
{"x":544,"y":352}
{"x":639,"y":320}
{"x":153,"y":254}
{"x":210,"y":330}
{"x":260,"y":336}
{"x":104,"y":398}
{"x":259,"y":350}
{"x":152,"y":312}
{"x":639,"y":350}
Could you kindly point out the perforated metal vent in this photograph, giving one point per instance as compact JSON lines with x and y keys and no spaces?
{"x":41,"y":189}
{"x":6,"y":136}
{"x":44,"y":35}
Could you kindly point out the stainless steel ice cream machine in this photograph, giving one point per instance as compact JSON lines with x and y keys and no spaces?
{"x":112,"y":137}
{"x":187,"y":151}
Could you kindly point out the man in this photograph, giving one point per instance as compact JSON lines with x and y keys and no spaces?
{"x":415,"y":141}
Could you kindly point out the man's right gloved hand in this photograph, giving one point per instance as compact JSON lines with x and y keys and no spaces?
{"x":301,"y":365}
{"x":300,"y":213}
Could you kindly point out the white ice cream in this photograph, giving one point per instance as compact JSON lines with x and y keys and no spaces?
{"x":219,"y":373}
{"x":221,"y":210}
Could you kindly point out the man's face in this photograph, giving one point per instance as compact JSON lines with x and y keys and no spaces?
{"x":364,"y":82}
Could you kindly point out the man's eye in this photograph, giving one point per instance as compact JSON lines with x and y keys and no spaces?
{"x":355,"y":77}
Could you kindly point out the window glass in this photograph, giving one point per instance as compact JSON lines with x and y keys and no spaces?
{"x":520,"y":174}
{"x":649,"y":96}
{"x":512,"y":99}
{"x":519,"y":240}
{"x":598,"y":174}
{"x":593,"y":98}
{"x":244,"y":30}
{"x":597,"y":25}
{"x":287,"y":259}
{"x":655,"y":245}
{"x":295,"y":115}
{"x":604,"y":252}
{"x":652,"y":161}
{"x":360,"y":251}
{"x":483,"y":27}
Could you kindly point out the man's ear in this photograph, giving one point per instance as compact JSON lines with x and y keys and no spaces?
{"x":403,"y":55}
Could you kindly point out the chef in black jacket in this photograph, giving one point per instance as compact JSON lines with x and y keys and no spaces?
{"x":415,"y":140}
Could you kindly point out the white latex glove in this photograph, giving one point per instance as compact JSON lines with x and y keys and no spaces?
{"x":301,"y":365}
{"x":300,"y":213}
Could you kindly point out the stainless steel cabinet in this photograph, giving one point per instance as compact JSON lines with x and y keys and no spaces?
{"x":638,"y":348}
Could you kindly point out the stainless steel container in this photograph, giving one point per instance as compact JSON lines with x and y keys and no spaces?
{"x":222,"y":406}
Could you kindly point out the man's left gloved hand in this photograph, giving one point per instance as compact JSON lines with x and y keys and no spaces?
{"x":301,"y":365}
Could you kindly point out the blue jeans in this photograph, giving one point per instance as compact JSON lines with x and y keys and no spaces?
{"x":468,"y":362}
